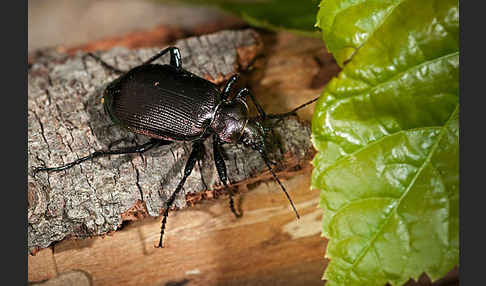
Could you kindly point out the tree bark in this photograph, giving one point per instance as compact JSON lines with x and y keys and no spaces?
{"x":66,"y":121}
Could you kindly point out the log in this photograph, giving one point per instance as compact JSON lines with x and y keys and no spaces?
{"x":66,"y":122}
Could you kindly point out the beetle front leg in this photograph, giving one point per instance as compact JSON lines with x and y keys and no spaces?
{"x":242,"y":95}
{"x":197,"y":148}
{"x":227,"y":88}
{"x":221,"y":168}
{"x":175,"y":57}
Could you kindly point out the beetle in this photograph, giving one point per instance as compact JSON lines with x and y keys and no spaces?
{"x":168,"y":103}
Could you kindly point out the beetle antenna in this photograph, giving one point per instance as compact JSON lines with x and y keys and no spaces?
{"x":267,"y":162}
{"x":304,"y":105}
{"x":281,"y":116}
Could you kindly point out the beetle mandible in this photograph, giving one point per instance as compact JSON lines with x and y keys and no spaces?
{"x":168,"y":103}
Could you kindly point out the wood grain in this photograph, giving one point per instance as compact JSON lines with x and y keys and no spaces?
{"x":207,"y":245}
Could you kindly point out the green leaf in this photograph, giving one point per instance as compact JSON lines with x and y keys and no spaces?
{"x":387,"y":136}
{"x":347,"y":24}
{"x":290,"y":15}
{"x":296,"y":16}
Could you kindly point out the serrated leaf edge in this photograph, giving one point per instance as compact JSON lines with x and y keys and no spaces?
{"x":419,"y":171}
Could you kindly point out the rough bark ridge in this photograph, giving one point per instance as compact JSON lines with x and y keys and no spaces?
{"x":66,"y":121}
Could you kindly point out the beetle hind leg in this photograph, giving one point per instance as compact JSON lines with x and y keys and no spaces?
{"x":127,"y":150}
{"x":197,"y":148}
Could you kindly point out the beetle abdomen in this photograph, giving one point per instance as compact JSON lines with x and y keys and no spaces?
{"x":162,"y":102}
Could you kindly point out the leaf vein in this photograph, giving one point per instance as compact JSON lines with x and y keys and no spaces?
{"x":391,"y":79}
{"x":383,"y":20}
{"x":370,"y":90}
{"x":426,"y":161}
{"x":379,"y":140}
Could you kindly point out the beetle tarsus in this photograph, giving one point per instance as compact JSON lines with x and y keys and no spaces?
{"x":223,"y":176}
{"x":232,"y":205}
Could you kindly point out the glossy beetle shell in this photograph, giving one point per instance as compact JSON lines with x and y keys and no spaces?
{"x":162,"y":101}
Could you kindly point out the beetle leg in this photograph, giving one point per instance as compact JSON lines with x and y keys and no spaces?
{"x":223,"y":176}
{"x":175,"y":57}
{"x":133,"y":149}
{"x":201,"y":173}
{"x":228,"y":86}
{"x":197,"y":148}
{"x":104,"y":64}
{"x":242,"y":95}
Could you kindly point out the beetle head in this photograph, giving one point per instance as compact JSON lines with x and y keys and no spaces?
{"x":254,"y":136}
{"x":231,"y":125}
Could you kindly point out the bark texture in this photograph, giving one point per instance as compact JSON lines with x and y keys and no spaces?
{"x":66,"y":121}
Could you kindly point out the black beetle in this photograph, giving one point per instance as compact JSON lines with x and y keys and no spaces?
{"x":168,"y":103}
